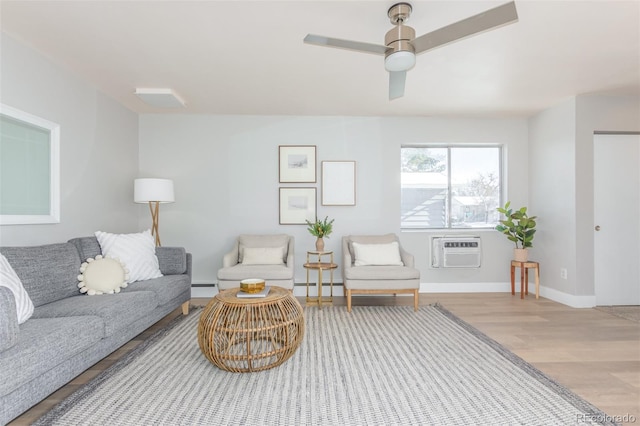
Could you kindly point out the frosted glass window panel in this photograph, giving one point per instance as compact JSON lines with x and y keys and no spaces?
{"x":29,"y":168}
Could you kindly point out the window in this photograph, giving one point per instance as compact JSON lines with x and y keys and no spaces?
{"x":450,"y":186}
{"x":29,"y":168}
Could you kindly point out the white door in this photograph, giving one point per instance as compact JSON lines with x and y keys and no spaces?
{"x":617,"y":219}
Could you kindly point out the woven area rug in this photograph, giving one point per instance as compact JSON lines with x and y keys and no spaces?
{"x":378,"y":365}
{"x":631,"y":313}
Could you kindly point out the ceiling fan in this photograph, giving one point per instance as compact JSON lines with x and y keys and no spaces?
{"x":402,"y":45}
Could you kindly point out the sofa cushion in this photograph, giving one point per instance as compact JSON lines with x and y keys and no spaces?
{"x":117,"y":310}
{"x":102,"y":275}
{"x":137,"y":251}
{"x":165,"y":288}
{"x":266,"y":272}
{"x":273,"y":240}
{"x":9,"y":279}
{"x":377,"y":254}
{"x":45,"y":343}
{"x":87,"y":246}
{"x":172,"y":260}
{"x":8,"y":319}
{"x":47,"y":272}
{"x":263,"y":256}
{"x":381,"y":273}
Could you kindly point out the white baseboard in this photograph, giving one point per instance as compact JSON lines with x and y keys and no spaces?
{"x":298,"y":290}
{"x":465,"y":287}
{"x":568,"y":299}
{"x":496,"y":287}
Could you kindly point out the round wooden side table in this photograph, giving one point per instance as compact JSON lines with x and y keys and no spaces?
{"x":251,"y":334}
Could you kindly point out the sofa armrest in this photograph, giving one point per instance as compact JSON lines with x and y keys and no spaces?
{"x":347,"y":261}
{"x":407,"y":258}
{"x":231,"y":258}
{"x":291,"y":253}
{"x":190,"y":267}
{"x":9,"y":328}
{"x":172,"y":260}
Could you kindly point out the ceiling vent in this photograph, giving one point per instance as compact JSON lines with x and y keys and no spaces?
{"x":160,"y":98}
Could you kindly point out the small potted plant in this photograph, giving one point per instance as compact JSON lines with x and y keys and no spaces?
{"x":320,"y":229}
{"x":519,"y":228}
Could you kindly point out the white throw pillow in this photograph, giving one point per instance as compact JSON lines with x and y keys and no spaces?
{"x":263,"y":256}
{"x":137,"y":251}
{"x":102,"y":275}
{"x":9,"y":279}
{"x":377,"y":254}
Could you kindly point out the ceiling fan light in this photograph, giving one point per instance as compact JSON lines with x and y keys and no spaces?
{"x":400,"y":61}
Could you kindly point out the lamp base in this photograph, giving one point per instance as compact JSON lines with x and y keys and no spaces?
{"x":154,"y":207}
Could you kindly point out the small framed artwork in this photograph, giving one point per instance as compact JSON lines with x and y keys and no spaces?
{"x":338,"y":183}
{"x":297,"y":163}
{"x":297,"y":205}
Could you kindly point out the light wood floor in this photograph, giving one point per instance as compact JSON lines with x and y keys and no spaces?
{"x":593,"y":353}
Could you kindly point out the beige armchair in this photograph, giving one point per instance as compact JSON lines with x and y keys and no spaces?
{"x":377,"y":264}
{"x":270,"y":257}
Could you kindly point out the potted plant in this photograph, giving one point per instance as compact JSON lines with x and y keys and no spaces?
{"x":320,"y":229}
{"x":519,"y":228}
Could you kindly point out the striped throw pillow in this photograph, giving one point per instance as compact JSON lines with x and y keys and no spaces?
{"x":9,"y":279}
{"x":137,"y":251}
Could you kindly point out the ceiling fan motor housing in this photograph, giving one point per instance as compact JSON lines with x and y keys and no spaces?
{"x":398,"y":39}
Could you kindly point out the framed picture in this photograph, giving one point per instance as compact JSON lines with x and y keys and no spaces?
{"x":297,"y":163}
{"x":338,"y":183}
{"x":297,"y":205}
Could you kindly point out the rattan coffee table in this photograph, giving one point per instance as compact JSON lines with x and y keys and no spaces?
{"x":245,"y":335}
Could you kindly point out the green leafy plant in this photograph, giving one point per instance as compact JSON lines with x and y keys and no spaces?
{"x":320,"y":228}
{"x":517,"y":225}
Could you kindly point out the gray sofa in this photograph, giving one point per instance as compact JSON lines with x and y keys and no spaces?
{"x":69,"y":332}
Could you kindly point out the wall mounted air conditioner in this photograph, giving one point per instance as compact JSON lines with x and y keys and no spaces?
{"x":456,"y":252}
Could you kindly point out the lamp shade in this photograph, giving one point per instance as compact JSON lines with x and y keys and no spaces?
{"x":160,"y":190}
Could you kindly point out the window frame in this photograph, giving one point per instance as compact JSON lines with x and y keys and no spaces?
{"x":53,"y":129}
{"x":449,"y":198}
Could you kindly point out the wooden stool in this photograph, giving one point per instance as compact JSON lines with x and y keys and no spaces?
{"x":524,"y":277}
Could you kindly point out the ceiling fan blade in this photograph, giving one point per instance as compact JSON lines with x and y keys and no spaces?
{"x":345,"y":44}
{"x":488,"y":20}
{"x":396,"y":84}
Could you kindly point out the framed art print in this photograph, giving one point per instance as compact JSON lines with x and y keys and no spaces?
{"x":297,"y":163}
{"x":338,"y":183}
{"x":297,"y":205}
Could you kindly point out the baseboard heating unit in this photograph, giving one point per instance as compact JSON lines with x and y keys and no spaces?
{"x":456,"y":252}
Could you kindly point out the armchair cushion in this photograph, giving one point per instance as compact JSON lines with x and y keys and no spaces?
{"x":266,"y":272}
{"x":377,"y":254}
{"x":390,"y":273}
{"x":263,"y":256}
{"x":263,"y":241}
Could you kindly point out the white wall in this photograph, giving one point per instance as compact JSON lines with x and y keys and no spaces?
{"x":552,"y":193}
{"x":98,"y":147}
{"x":225,"y":170}
{"x":594,"y":113}
{"x":561,"y":188}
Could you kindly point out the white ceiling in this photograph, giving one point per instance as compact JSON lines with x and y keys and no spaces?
{"x":247,"y":57}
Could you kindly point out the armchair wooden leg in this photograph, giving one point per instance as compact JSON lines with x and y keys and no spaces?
{"x":185,"y":308}
{"x":348,"y":300}
{"x":415,"y":299}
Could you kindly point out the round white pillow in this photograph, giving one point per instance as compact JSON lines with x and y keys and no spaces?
{"x":102,"y":275}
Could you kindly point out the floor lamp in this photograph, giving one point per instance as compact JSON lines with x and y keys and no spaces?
{"x":154,"y":192}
